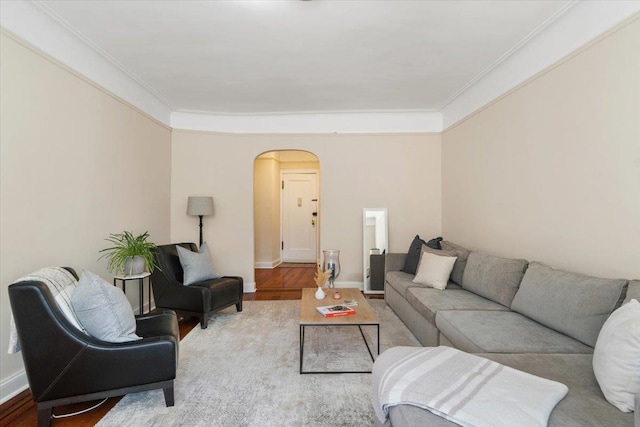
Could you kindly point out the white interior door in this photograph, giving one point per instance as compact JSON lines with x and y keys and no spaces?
{"x":299,"y":224}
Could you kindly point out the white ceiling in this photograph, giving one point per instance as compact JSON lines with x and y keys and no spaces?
{"x":306,"y":56}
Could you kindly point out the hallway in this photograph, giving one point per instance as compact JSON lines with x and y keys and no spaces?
{"x":283,"y":282}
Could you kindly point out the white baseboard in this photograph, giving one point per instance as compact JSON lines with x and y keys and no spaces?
{"x":267,"y":264}
{"x":13,"y":385}
{"x":249,"y":287}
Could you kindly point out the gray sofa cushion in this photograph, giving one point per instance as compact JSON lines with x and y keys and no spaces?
{"x":429,"y":301}
{"x":572,"y":303}
{"x":584,"y":405}
{"x":401,"y":281}
{"x":633,"y":291}
{"x":461,"y":262}
{"x":503,"y":332}
{"x":493,"y":277}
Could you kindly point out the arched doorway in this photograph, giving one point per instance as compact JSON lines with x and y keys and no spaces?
{"x":286,"y":205}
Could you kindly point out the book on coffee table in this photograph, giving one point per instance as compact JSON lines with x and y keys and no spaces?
{"x":335,"y":310}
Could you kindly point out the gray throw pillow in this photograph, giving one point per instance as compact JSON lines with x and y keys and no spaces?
{"x":197,"y":266}
{"x":414,"y":253}
{"x":462,"y":254}
{"x":103,"y":310}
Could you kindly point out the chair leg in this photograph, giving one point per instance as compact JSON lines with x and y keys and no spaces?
{"x":168,"y":395}
{"x":44,"y":417}
{"x":204,"y":320}
{"x":239,"y":306}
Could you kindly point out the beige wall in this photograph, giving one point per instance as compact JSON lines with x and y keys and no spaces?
{"x":551,"y":172}
{"x":76,"y":165}
{"x":399,"y":172}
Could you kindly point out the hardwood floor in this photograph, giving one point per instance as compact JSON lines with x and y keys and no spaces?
{"x":284,"y":282}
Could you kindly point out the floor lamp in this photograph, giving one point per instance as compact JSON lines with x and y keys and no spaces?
{"x":200,"y":206}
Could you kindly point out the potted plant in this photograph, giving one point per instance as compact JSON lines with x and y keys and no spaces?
{"x":129,"y":254}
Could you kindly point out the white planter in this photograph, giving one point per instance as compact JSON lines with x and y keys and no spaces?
{"x":134,"y":265}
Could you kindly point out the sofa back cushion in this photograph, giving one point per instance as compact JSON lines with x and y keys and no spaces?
{"x":493,"y":277}
{"x":462,"y":254}
{"x":633,"y":291}
{"x":572,"y":303}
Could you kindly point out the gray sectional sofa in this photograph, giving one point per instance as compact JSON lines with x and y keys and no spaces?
{"x":522,"y":314}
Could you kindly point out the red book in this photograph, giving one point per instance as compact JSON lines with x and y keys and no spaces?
{"x":336,"y":310}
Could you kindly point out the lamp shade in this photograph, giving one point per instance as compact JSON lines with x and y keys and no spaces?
{"x":200,"y":205}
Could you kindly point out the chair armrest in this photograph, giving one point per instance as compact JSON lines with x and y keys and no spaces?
{"x":241,"y":280}
{"x":395,"y":261}
{"x":162,"y":322}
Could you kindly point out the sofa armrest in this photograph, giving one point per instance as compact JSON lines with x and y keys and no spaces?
{"x":394,"y":262}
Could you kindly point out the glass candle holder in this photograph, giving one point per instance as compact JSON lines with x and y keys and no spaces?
{"x":331,"y":263}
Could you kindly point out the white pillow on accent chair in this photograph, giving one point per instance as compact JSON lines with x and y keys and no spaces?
{"x":103,"y":309}
{"x":434,"y":270}
{"x":197,"y":266}
{"x":616,"y":357}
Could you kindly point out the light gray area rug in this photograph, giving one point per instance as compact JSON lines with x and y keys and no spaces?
{"x":244,"y":371}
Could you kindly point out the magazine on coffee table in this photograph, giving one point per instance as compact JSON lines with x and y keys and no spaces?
{"x":335,"y":310}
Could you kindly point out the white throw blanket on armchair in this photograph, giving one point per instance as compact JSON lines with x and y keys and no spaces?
{"x":466,"y":389}
{"x":60,"y":283}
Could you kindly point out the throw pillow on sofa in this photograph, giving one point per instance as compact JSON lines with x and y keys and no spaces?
{"x":434,"y":270}
{"x":616,"y":357}
{"x":415,"y":250}
{"x":197,"y":266}
{"x":103,"y":310}
{"x":461,"y":262}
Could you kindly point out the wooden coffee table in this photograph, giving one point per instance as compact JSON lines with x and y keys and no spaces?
{"x":309,"y":317}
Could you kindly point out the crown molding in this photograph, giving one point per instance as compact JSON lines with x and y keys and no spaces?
{"x":320,"y":122}
{"x":539,"y":29}
{"x":577,"y":26}
{"x":32,"y":23}
{"x":567,"y":31}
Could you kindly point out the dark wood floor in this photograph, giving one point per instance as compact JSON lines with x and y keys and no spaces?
{"x":284,"y":282}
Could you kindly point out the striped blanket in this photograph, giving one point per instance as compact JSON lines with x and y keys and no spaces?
{"x":60,"y":283}
{"x":463,"y":388}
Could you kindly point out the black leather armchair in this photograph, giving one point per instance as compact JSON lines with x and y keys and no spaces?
{"x":64,"y":365}
{"x":198,"y":300}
